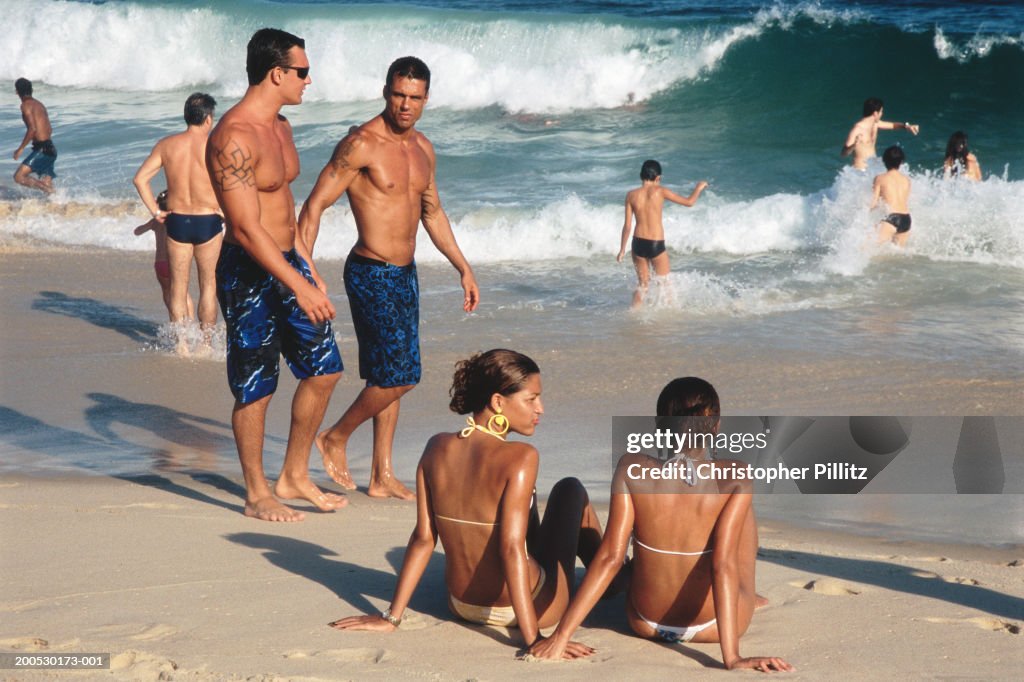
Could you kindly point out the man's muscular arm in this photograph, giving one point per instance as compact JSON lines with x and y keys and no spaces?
{"x":436,"y":223}
{"x":350,"y":156}
{"x":231,"y":163}
{"x":890,"y":125}
{"x":30,"y":129}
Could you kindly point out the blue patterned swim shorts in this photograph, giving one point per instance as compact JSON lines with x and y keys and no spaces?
{"x":385,"y":303}
{"x":42,"y":158}
{"x":264,"y":322}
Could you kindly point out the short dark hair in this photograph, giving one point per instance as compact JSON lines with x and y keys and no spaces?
{"x":198,"y":106}
{"x":893,"y":157}
{"x":161,"y":200}
{"x":268,"y":48}
{"x":478,"y":378}
{"x":650,"y":170}
{"x":409,"y":67}
{"x":871,"y":105}
{"x":23,"y":87}
{"x":691,"y":397}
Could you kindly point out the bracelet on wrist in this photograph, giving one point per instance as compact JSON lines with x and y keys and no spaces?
{"x":386,"y":615}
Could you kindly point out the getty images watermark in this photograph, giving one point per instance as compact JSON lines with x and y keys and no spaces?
{"x":824,"y":454}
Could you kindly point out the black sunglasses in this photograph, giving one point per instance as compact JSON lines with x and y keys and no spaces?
{"x":300,"y":71}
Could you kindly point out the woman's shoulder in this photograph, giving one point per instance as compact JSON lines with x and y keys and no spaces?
{"x":517,"y":450}
{"x":440,"y":440}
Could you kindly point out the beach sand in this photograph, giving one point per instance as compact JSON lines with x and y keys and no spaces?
{"x":138,"y":548}
{"x":165,"y":574}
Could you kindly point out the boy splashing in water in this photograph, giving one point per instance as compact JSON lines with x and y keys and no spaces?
{"x":648,"y":246}
{"x":893,"y":188}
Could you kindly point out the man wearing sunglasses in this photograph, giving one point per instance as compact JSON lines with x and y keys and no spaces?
{"x":274,"y":302}
{"x":387,"y":167}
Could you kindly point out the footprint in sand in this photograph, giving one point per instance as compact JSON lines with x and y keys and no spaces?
{"x":366,"y":655}
{"x":140,"y":632}
{"x":140,"y":665}
{"x":827,"y":586}
{"x":24,"y":643}
{"x":991,"y":624}
{"x":155,"y":632}
{"x":917,"y":573}
{"x":1016,"y":562}
{"x":960,"y":580}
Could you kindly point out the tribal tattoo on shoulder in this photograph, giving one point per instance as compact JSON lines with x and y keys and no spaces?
{"x":233,"y":167}
{"x":339,"y":160}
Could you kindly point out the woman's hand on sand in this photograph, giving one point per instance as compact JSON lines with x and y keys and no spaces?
{"x":551,"y":648}
{"x":375,"y":623}
{"x":766,"y":664}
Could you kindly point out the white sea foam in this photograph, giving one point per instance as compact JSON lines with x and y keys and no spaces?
{"x":954,"y":220}
{"x":977,"y":46}
{"x":521,"y":63}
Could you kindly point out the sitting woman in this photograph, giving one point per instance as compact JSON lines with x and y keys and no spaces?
{"x":693,"y":551}
{"x":959,"y":158}
{"x":475,"y":490}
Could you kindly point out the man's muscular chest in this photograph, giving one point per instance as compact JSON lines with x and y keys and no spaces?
{"x":399,"y":170}
{"x":278,"y":161}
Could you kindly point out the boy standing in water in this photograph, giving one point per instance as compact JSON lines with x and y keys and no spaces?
{"x":864,"y":133}
{"x":893,"y":187}
{"x":648,"y":247}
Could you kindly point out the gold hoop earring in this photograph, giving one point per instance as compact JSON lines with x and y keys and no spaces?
{"x":498,"y":424}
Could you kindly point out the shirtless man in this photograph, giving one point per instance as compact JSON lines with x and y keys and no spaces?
{"x":193,"y":222}
{"x":270,"y":293}
{"x":893,"y":188}
{"x":160,"y":265}
{"x":39,"y":132}
{"x":387,"y":167}
{"x":646,"y":203}
{"x":864,"y":133}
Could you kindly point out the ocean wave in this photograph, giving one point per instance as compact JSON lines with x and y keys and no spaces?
{"x":518,"y":61}
{"x":954,"y":220}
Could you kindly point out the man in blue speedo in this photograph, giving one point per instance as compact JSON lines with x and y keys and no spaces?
{"x":271,"y":296}
{"x":387,"y":167}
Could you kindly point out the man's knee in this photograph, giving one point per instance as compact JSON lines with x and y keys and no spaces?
{"x":395,"y":392}
{"x":324,"y":381}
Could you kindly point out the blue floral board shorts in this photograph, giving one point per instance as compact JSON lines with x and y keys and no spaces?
{"x":264,"y":322}
{"x":42,"y":158}
{"x":385,"y":303}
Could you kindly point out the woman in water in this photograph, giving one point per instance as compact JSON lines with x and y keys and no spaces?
{"x":693,"y":551}
{"x":475,"y":491}
{"x":959,"y":158}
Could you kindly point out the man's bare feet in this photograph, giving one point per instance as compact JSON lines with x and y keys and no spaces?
{"x":291,"y":489}
{"x":336,"y":466}
{"x":760,"y":601}
{"x":269,"y":509}
{"x":389,"y":487}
